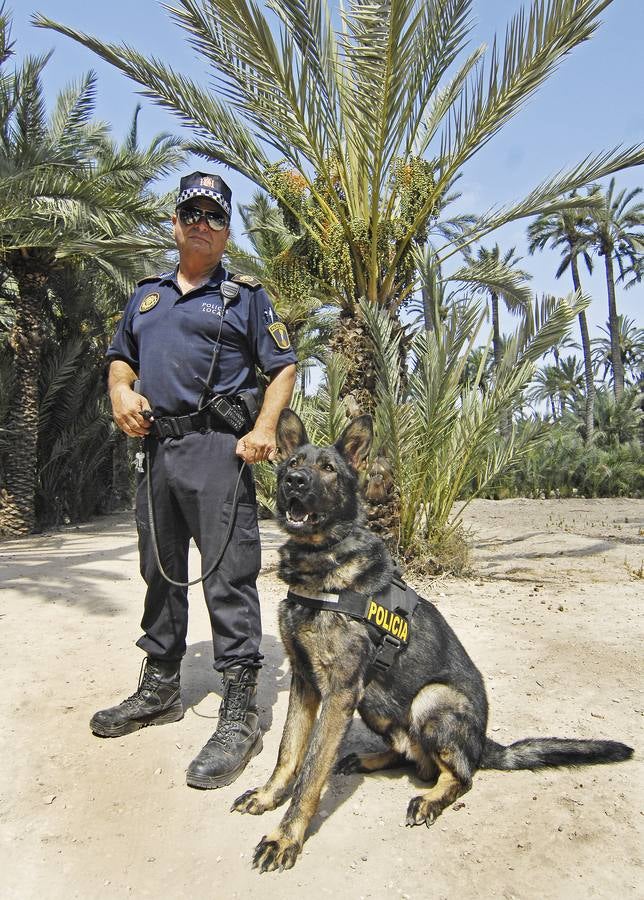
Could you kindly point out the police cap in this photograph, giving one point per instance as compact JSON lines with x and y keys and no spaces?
{"x":202,"y":184}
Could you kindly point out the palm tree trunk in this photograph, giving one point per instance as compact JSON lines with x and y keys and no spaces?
{"x":613,"y":327}
{"x":17,"y":515}
{"x":427,"y":314}
{"x":504,"y":420}
{"x":496,"y":331}
{"x":349,"y":338}
{"x":589,"y":406}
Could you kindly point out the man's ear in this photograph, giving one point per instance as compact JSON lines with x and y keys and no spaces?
{"x":355,"y":441}
{"x":291,"y":433}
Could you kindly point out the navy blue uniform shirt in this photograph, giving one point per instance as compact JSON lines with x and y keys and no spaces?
{"x":168,"y":338}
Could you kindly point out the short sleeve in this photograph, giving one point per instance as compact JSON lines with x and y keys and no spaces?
{"x":270,"y":339}
{"x":123,"y":345}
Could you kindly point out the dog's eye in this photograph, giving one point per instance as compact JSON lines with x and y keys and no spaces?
{"x":292,"y":461}
{"x":328,"y":467}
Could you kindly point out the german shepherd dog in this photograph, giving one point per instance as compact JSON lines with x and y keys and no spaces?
{"x":430,"y":706}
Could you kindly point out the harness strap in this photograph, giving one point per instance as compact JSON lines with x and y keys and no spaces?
{"x":386,"y":615}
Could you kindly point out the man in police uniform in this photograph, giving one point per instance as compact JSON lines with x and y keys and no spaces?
{"x":180,"y":331}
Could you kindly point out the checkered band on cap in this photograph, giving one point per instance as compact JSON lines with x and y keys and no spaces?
{"x":191,"y":192}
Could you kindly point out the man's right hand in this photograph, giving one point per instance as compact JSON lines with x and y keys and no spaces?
{"x":127,"y":409}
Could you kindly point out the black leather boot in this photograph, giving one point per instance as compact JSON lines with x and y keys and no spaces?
{"x":157,"y":701}
{"x":238,"y":736}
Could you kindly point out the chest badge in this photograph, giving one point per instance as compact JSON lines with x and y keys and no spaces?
{"x":280,"y":335}
{"x":149,"y":302}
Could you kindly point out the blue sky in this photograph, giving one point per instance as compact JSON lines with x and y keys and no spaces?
{"x":593,"y":102}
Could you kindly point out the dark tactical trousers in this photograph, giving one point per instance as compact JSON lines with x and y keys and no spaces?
{"x":193,"y":480}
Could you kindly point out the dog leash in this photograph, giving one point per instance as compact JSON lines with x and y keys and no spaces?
{"x":153,"y":530}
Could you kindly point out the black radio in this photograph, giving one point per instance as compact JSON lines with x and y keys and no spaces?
{"x":230,"y":413}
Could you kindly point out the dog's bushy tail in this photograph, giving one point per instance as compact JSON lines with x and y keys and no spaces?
{"x":537,"y":753}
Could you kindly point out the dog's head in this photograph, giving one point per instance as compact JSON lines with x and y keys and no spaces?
{"x":317,"y":486}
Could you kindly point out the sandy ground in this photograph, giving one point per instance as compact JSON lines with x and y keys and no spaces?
{"x":551,"y":617}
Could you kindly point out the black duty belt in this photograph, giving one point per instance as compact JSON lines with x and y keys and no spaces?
{"x":386,"y":614}
{"x":234,"y":414}
{"x":177,"y":426}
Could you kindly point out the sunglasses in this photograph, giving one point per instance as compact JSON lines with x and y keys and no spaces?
{"x":190,"y":215}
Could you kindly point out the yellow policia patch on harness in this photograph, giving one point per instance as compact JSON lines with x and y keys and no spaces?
{"x":388,"y":621}
{"x":149,"y":302}
{"x":280,"y":335}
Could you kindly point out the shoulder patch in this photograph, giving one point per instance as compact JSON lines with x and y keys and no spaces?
{"x":247,"y":280}
{"x":280,"y":335}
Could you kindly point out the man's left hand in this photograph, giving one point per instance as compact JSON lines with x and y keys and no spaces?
{"x":256,"y":446}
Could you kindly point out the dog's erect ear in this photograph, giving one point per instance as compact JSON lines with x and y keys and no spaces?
{"x":355,"y":441}
{"x":291,"y":433}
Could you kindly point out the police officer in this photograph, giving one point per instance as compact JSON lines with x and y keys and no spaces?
{"x":182,"y":333}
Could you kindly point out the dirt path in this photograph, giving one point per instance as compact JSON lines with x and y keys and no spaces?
{"x":551,"y":617}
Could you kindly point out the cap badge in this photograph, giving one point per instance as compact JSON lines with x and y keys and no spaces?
{"x":149,"y":302}
{"x":207,"y":181}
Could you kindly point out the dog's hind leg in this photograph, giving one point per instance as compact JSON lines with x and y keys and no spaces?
{"x":302,"y":708}
{"x":448,"y":730}
{"x":370,"y":762}
{"x":449,"y":787}
{"x":280,"y":849}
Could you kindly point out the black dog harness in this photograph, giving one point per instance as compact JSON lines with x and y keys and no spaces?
{"x":387,"y":616}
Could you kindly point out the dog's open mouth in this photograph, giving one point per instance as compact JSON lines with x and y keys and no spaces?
{"x":297,"y":516}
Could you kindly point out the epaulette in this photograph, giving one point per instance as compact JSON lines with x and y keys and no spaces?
{"x":149,"y":279}
{"x":247,"y":280}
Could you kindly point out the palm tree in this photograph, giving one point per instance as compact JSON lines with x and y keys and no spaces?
{"x":616,"y":232}
{"x":568,"y":230}
{"x":511,"y":287}
{"x":358,"y":135}
{"x":65,"y":193}
{"x":514,"y":292}
{"x":545,"y":388}
{"x":560,"y":386}
{"x":300,"y":299}
{"x":439,"y":427}
{"x":631,"y":349}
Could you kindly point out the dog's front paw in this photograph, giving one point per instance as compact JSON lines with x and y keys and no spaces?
{"x":279,"y":852}
{"x":349,"y":764}
{"x":422,"y":810}
{"x":254,"y":802}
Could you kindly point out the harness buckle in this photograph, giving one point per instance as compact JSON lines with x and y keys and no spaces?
{"x":386,"y":653}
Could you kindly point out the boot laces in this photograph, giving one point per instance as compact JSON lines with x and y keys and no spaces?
{"x":232,"y":713}
{"x":148,"y":681}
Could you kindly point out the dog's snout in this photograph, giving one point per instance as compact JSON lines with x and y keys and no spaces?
{"x":297,"y":481}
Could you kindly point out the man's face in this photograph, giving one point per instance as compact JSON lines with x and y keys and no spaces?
{"x":199,"y":240}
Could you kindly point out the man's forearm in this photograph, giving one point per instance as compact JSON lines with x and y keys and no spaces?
{"x":126,"y":404}
{"x":259,"y":443}
{"x":120,"y":373}
{"x":276,"y":397}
